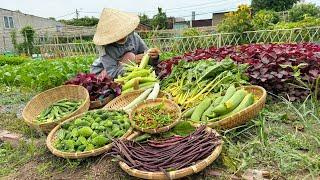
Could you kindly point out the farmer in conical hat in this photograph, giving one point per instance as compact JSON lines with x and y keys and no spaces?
{"x":117,"y":43}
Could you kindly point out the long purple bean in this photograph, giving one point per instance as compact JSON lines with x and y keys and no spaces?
{"x":171,"y":153}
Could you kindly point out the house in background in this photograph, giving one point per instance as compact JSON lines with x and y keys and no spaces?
{"x":16,"y":20}
{"x":143,"y":27}
{"x":216,"y":19}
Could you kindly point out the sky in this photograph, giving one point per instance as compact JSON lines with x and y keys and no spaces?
{"x":65,"y":9}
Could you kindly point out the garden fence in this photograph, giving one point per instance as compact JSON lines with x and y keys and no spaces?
{"x":185,"y":44}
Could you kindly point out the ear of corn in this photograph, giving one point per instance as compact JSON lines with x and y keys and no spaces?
{"x":235,"y":100}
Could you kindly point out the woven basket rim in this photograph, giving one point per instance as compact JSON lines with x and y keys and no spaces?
{"x":193,"y":169}
{"x":132,"y":93}
{"x":100,"y":103}
{"x":71,"y":155}
{"x":160,"y":129}
{"x":249,"y":108}
{"x":34,"y":122}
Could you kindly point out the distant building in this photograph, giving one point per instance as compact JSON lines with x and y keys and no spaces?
{"x":181,"y":25}
{"x":217,"y":18}
{"x":202,"y":23}
{"x":16,"y":20}
{"x":143,"y":27}
{"x":194,"y":23}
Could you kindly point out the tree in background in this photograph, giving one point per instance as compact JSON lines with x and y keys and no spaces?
{"x":238,"y":21}
{"x":276,"y":5}
{"x":13,"y":35}
{"x":144,"y":19}
{"x":299,"y":11}
{"x":265,"y":19}
{"x":85,"y":21}
{"x":52,"y":18}
{"x":28,"y":38}
{"x":159,"y":20}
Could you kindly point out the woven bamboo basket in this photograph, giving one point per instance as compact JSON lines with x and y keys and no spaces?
{"x":43,"y":100}
{"x":100,"y":103}
{"x":199,"y":166}
{"x":245,"y":115}
{"x":77,"y":155}
{"x":153,"y":102}
{"x":123,"y":100}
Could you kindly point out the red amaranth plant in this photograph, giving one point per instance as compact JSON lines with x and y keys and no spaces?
{"x":266,"y":64}
{"x":98,"y":88}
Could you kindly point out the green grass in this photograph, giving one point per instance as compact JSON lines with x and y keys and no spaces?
{"x":13,"y":95}
{"x":284,"y":140}
{"x":14,"y":60}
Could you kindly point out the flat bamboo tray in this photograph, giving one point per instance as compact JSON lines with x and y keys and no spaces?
{"x":123,"y":100}
{"x":245,"y":115}
{"x":199,"y":166}
{"x":43,"y":100}
{"x":77,"y":155}
{"x":153,"y":102}
{"x":100,"y":103}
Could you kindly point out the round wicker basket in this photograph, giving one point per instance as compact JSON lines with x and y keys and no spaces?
{"x":100,"y":103}
{"x":123,"y":100}
{"x":245,"y":115}
{"x":153,"y":102}
{"x":43,"y":100}
{"x":77,"y":155}
{"x":199,"y":166}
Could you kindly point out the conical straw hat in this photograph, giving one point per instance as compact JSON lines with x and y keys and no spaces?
{"x":114,"y":25}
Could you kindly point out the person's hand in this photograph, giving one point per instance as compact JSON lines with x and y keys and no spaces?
{"x":102,"y":75}
{"x":154,"y":53}
{"x":138,"y":58}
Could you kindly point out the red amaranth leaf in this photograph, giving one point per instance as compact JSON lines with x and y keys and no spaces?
{"x":264,"y":61}
{"x":97,"y":88}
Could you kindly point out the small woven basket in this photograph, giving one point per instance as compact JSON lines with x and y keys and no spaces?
{"x":77,"y":155}
{"x":100,"y":103}
{"x":199,"y":166}
{"x":154,"y":102}
{"x":123,"y":100}
{"x":245,"y":115}
{"x":43,"y":100}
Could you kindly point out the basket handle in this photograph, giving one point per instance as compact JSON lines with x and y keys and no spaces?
{"x":133,"y":135}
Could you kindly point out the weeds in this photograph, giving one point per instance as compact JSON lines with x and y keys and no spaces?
{"x":273,"y":142}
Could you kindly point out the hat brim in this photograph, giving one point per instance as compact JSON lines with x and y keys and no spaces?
{"x":114,"y":25}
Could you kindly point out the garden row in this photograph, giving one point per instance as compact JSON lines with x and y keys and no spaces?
{"x":155,"y":114}
{"x":42,"y":74}
{"x":280,"y":68}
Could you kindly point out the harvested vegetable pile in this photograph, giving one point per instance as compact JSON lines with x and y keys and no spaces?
{"x":169,"y":154}
{"x":151,"y":93}
{"x":140,"y":77}
{"x":190,"y":82}
{"x":154,"y":117}
{"x":91,"y":131}
{"x":98,"y":89}
{"x":221,"y":107}
{"x":266,"y":64}
{"x":58,"y":110}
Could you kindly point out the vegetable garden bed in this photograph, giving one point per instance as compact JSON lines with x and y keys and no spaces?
{"x":208,"y":72}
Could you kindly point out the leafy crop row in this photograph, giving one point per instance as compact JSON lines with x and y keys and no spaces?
{"x":15,"y":60}
{"x":276,"y":67}
{"x":44,"y":74}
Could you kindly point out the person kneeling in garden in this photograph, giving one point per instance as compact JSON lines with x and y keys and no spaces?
{"x":117,"y":43}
